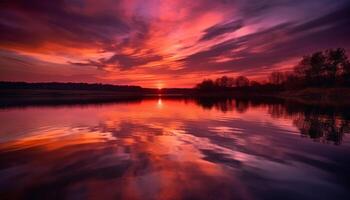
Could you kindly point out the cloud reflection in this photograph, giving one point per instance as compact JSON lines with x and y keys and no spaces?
{"x":183,"y":150}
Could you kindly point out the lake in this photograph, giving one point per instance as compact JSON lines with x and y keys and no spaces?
{"x":163,"y":148}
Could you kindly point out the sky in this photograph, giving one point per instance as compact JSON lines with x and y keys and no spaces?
{"x":163,"y":43}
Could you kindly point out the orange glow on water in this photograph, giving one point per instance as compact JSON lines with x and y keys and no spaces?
{"x":160,"y":103}
{"x":163,"y":148}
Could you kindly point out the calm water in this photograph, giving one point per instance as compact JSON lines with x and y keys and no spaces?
{"x":175,"y":149}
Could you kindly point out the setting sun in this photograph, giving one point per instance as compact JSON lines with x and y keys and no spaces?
{"x":160,"y":85}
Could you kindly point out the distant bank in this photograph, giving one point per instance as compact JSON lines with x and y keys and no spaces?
{"x":54,"y":93}
{"x":83,"y":89}
{"x":22,"y":93}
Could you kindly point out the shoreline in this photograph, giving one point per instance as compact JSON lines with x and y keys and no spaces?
{"x":321,"y":96}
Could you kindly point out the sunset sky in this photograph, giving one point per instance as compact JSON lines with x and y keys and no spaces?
{"x":163,"y":43}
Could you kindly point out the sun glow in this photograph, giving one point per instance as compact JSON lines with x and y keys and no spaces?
{"x":160,"y":85}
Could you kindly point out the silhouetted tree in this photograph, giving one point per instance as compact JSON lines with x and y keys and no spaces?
{"x":337,"y":65}
{"x":277,"y":78}
{"x":225,"y":82}
{"x":325,"y":68}
{"x":310,"y":68}
{"x":206,"y":85}
{"x":346,"y":74}
{"x":292,"y":81}
{"x":255,"y":84}
{"x":242,"y":81}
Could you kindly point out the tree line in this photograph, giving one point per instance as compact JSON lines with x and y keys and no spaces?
{"x":224,"y":83}
{"x":69,"y":86}
{"x":328,"y":68}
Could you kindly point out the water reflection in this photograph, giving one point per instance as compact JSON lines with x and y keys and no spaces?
{"x":223,"y":104}
{"x":322,"y":123}
{"x":175,"y":149}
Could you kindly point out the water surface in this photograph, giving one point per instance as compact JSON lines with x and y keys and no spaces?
{"x":175,"y":149}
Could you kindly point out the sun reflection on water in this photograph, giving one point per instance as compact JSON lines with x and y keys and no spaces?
{"x":149,"y":150}
{"x":159,"y":103}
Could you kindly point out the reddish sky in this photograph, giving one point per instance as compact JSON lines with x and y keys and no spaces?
{"x":163,"y":43}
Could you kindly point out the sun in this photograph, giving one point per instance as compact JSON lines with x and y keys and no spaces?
{"x":160,"y":86}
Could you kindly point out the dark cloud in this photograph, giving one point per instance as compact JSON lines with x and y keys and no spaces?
{"x":121,"y":61}
{"x":339,"y":18}
{"x":255,"y":8}
{"x":33,"y":22}
{"x":99,"y":64}
{"x":220,"y":29}
{"x":276,"y":44}
{"x":206,"y":58}
{"x":127,"y":62}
